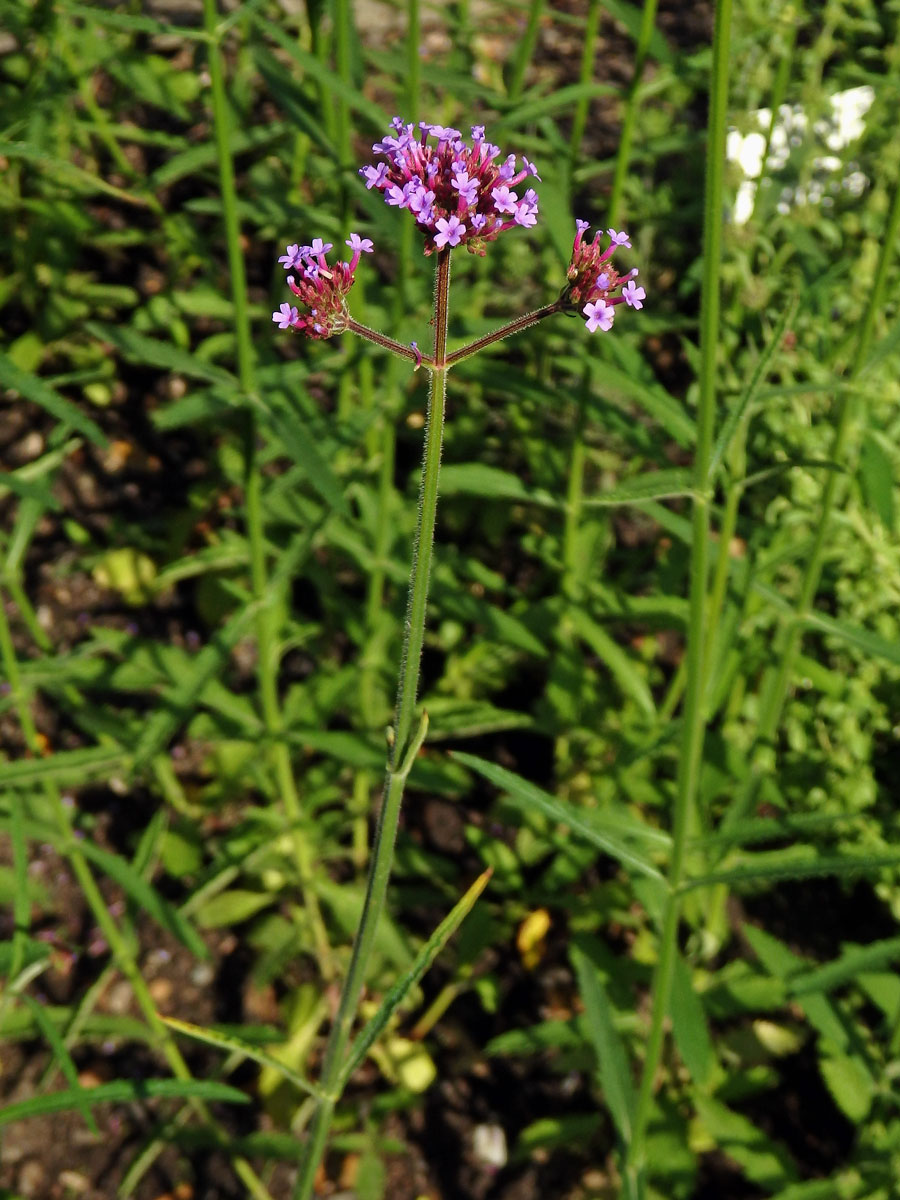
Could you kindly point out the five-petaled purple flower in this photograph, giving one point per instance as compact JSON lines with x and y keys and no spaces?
{"x":456,"y":192}
{"x":595,"y":286}
{"x":321,"y":288}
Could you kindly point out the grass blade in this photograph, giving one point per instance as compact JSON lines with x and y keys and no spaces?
{"x":423,"y":960}
{"x":233,"y":1044}
{"x":123,"y":1091}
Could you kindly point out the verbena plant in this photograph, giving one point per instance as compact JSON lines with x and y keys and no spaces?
{"x":668,"y":686}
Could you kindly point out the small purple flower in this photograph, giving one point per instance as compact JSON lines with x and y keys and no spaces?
{"x":509,"y":168}
{"x":375,"y":176}
{"x":599,"y":316}
{"x":531,"y":169}
{"x":286,"y":316}
{"x":634,"y":296}
{"x":595,"y":286}
{"x":357,"y":243}
{"x":504,"y":200}
{"x":449,"y":232}
{"x":322,"y":289}
{"x":294,"y":257}
{"x":438,"y":177}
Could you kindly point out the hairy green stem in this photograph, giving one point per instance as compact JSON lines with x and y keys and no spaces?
{"x":504,"y":331}
{"x":404,"y":745}
{"x":693,"y":723}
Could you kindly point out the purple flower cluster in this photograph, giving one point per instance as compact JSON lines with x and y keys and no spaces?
{"x":457,"y":193}
{"x":321,"y":289}
{"x":595,"y":286}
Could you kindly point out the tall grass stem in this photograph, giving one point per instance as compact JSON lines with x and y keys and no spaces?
{"x":693,"y":723}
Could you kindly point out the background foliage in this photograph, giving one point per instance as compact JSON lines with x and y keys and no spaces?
{"x":204,"y":560}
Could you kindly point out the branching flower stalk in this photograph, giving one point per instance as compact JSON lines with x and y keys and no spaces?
{"x":459,"y":195}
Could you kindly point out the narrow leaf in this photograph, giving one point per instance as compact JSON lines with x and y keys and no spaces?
{"x":585,"y":822}
{"x":652,"y":485}
{"x":613,"y":1073}
{"x":66,"y":768}
{"x":751,"y":391}
{"x":123,"y":1091}
{"x":145,"y":896}
{"x":846,"y":969}
{"x":423,"y":960}
{"x":617,"y":661}
{"x":233,"y":1044}
{"x":211,"y":660}
{"x":796,"y":868}
{"x":137,"y":347}
{"x":689,"y":1025}
{"x":39,"y":392}
{"x":491,"y":483}
{"x":63,"y":1060}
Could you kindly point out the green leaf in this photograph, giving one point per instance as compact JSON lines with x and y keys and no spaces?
{"x":653,"y":485}
{"x":133,"y":23}
{"x":197,"y":158}
{"x":234,"y":1044}
{"x":300,"y":444}
{"x":784,"y":965}
{"x":846,"y":969}
{"x":557,"y":1133}
{"x":616,"y":660}
{"x":231,"y":908}
{"x":62,"y":171}
{"x":780,"y":865}
{"x":870,"y":643}
{"x":137,"y":347}
{"x":63,"y":1060}
{"x":630,"y":16}
{"x":123,"y":1091}
{"x":26,"y":489}
{"x":145,"y":896}
{"x":689,"y":1025}
{"x":598,"y":828}
{"x":314,"y":68}
{"x":66,"y":768}
{"x":876,"y":477}
{"x":401,"y":989}
{"x":668,"y":412}
{"x":751,"y":391}
{"x":613,"y":1071}
{"x":39,"y":392}
{"x":850,"y":1083}
{"x":179,"y":704}
{"x":491,"y":483}
{"x":761,"y":1161}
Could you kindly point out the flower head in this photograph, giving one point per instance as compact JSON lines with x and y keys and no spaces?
{"x":455,"y":191}
{"x":322,"y":289}
{"x":595,"y":286}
